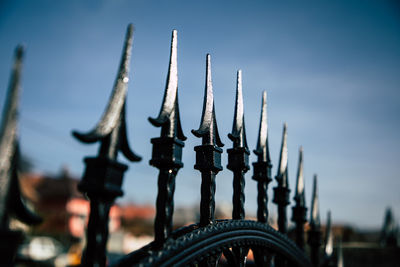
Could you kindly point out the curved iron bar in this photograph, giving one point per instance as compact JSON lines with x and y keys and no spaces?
{"x":299,"y":211}
{"x":238,"y":163}
{"x":194,"y":244}
{"x":314,"y":234}
{"x":208,"y":155}
{"x":167,"y":149}
{"x":102,"y":180}
{"x":11,"y":199}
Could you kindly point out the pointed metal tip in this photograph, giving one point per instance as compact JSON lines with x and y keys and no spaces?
{"x":208,"y":129}
{"x":19,"y":51}
{"x":315,"y":218}
{"x":340,"y":260}
{"x":238,"y":135}
{"x":130,"y":28}
{"x":262,"y":149}
{"x":168,"y":117}
{"x":283,"y":160}
{"x":300,"y":195}
{"x":328,"y":237}
{"x":112,"y":113}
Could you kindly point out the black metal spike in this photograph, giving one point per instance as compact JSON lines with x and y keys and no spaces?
{"x":328,"y":250}
{"x":238,"y":163}
{"x":281,"y":192}
{"x":11,"y":202}
{"x":299,"y":216}
{"x":111,"y":129}
{"x":262,"y":168}
{"x":314,"y":234}
{"x":340,"y":259}
{"x":167,"y":150}
{"x":238,"y":156}
{"x":103,"y":177}
{"x":208,"y":155}
{"x":262,"y":174}
{"x":208,"y":129}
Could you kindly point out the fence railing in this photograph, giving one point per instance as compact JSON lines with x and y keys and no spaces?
{"x":210,"y":242}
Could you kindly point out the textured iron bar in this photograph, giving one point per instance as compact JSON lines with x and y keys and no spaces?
{"x":164,"y":206}
{"x":238,"y":198}
{"x":11,"y":202}
{"x":262,"y":167}
{"x":314,"y":234}
{"x":207,"y":202}
{"x":299,"y":215}
{"x":167,"y":150}
{"x":208,"y":155}
{"x":281,"y":192}
{"x":102,"y":180}
{"x":238,"y":155}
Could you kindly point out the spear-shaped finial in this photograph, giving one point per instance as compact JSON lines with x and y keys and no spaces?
{"x":340,"y":260}
{"x":11,"y":202}
{"x":167,"y":150}
{"x":299,"y":196}
{"x":299,"y":210}
{"x":315,"y":219}
{"x":314,"y":235}
{"x":328,"y":238}
{"x":238,"y":135}
{"x":169,"y":114}
{"x":282,"y":175}
{"x":103,"y":177}
{"x":208,"y":155}
{"x":262,"y":150}
{"x":282,"y":191}
{"x":111,"y":129}
{"x":208,"y":129}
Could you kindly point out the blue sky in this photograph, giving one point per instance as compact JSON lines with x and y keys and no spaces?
{"x":331,"y":69}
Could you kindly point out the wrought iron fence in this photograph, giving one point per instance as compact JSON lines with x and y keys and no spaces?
{"x":210,"y":242}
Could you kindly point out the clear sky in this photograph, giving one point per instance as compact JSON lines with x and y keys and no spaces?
{"x":331,"y":69}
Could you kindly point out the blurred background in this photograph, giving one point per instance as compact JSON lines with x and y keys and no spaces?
{"x":331,"y":70}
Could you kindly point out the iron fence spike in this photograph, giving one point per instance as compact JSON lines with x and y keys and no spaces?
{"x":328,"y":237}
{"x":340,"y":260}
{"x":282,"y":176}
{"x":262,"y":149}
{"x":299,"y":196}
{"x":315,"y":218}
{"x":111,"y":116}
{"x":111,"y":130}
{"x":262,"y":167}
{"x":168,"y":117}
{"x":238,"y":135}
{"x":10,"y":195}
{"x":208,"y":129}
